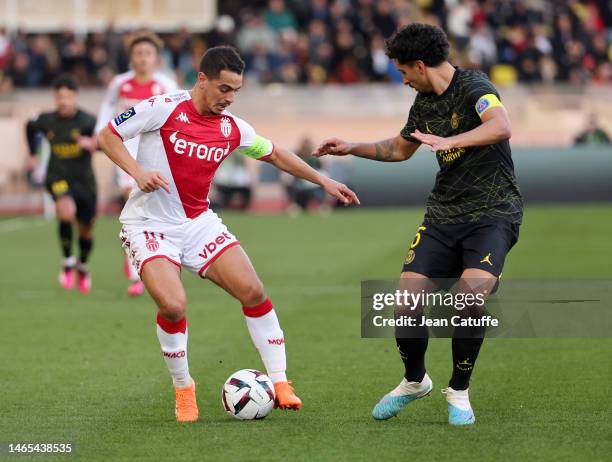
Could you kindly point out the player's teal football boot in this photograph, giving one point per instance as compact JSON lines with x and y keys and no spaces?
{"x":392,"y":403}
{"x":458,"y":416}
{"x":459,"y":408}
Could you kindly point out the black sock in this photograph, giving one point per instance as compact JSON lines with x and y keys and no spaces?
{"x":65,"y":234}
{"x":85,"y":246}
{"x":466,"y":346}
{"x":412,"y":344}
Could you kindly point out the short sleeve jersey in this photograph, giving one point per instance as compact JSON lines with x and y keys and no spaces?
{"x":187,"y":148}
{"x":475,"y":183}
{"x":124,"y":91}
{"x":68,"y":161}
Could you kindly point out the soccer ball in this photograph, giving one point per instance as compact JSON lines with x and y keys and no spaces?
{"x":248,"y":394}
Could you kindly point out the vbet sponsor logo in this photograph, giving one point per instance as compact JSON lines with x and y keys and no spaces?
{"x":201,"y":151}
{"x":210,"y":247}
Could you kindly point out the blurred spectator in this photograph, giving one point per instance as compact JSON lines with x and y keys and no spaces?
{"x":73,"y":54}
{"x":379,"y":60}
{"x":529,"y":63}
{"x":224,"y":32}
{"x":5,"y":50}
{"x":259,"y":64}
{"x":256,"y":32}
{"x":482,"y":48}
{"x":593,"y":134}
{"x":278,"y":17}
{"x":17,"y":73}
{"x":342,"y":41}
{"x":460,"y":14}
{"x":384,"y":18}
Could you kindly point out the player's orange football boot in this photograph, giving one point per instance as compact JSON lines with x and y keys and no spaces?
{"x":285,"y":397}
{"x":186,"y":409}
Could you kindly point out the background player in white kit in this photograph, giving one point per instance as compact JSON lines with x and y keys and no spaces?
{"x":167,"y":224}
{"x":124,"y":91}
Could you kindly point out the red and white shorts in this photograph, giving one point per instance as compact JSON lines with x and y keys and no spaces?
{"x":193,"y":245}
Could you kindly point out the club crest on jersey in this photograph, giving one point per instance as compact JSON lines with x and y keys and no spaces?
{"x":125,"y":116}
{"x":226,"y":127}
{"x":152,"y":244}
{"x":409,"y":257}
{"x":454,"y":120}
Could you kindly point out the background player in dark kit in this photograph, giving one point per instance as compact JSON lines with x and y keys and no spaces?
{"x":70,"y":178}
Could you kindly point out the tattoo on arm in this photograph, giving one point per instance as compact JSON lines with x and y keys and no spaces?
{"x":384,"y":150}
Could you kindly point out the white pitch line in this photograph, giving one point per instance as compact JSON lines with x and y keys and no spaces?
{"x":16,"y":224}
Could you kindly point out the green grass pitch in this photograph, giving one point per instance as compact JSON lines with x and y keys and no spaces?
{"x":88,"y":369}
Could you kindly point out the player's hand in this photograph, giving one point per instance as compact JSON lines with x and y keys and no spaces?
{"x":333,"y":147}
{"x":152,"y":181}
{"x":340,"y":191}
{"x":88,"y":143}
{"x":32,"y":163}
{"x":437,"y":143}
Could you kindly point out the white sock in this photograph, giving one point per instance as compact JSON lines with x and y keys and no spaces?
{"x":69,"y":262}
{"x":410,"y":388}
{"x":458,"y":398}
{"x":268,"y":339}
{"x":173,"y":340}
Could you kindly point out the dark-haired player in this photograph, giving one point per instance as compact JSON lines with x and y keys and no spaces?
{"x":125,"y":90}
{"x":70,"y":178}
{"x":167,"y":224}
{"x":473,"y":213}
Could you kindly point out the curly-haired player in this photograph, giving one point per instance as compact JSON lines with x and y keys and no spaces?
{"x":473,"y":214}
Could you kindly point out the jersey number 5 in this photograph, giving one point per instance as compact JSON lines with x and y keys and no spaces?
{"x":417,"y":237}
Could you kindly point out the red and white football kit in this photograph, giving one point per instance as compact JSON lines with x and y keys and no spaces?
{"x":124,"y":92}
{"x":187,"y":149}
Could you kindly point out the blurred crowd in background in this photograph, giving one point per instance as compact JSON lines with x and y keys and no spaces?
{"x":342,"y":41}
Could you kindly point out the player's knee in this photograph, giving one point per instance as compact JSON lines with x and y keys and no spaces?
{"x":252,"y":293}
{"x":66,"y":215}
{"x":172,"y":306}
{"x":86,"y":230}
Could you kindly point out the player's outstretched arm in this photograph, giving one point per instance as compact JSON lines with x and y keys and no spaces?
{"x":392,"y":150}
{"x":113,"y":147}
{"x":288,"y":162}
{"x":495,"y":127}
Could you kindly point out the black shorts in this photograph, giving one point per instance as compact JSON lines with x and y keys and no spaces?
{"x":444,"y":251}
{"x":84,"y":196}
